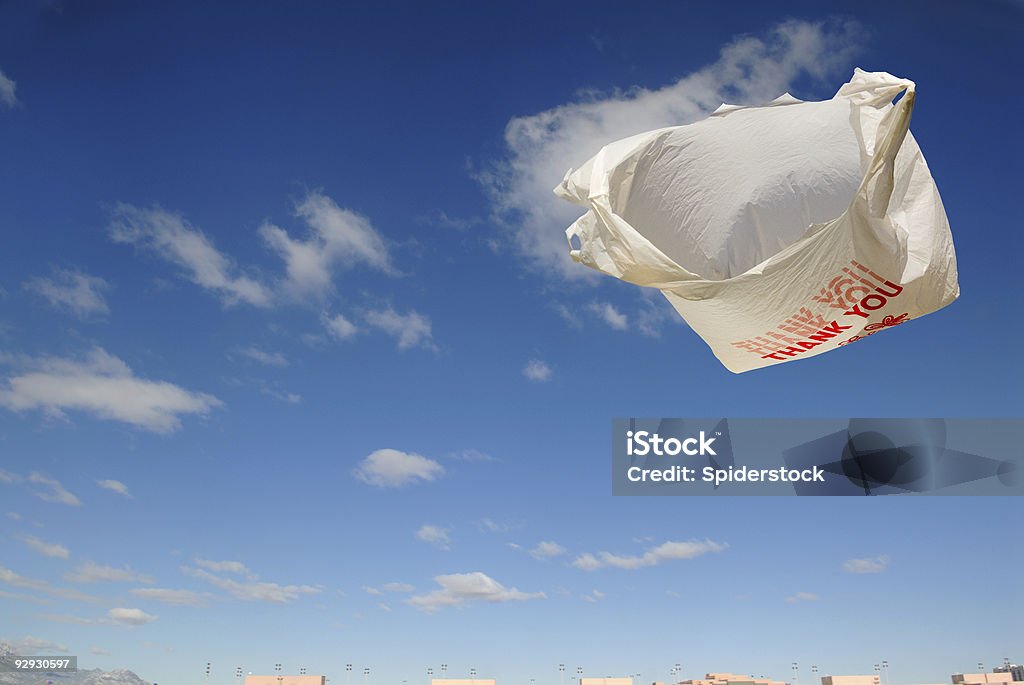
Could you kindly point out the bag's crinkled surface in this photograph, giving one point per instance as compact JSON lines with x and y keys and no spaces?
{"x":779,"y":231}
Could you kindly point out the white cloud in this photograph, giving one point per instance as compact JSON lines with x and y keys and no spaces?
{"x":337,"y":237}
{"x":74,"y":291}
{"x":397,"y":587}
{"x":462,"y":588}
{"x":174,"y":239}
{"x":37,"y":645}
{"x":595,"y":596}
{"x":99,"y":651}
{"x":587,"y":562}
{"x":610,"y":315}
{"x":251,"y":589}
{"x":388,"y":468}
{"x":541,"y":147}
{"x":537,"y":371}
{"x":802,"y":597}
{"x":114,"y":486}
{"x":169,"y":596}
{"x":410,"y":330}
{"x":104,"y":386}
{"x":91,"y":572}
{"x":667,"y":551}
{"x":471,"y":456}
{"x":14,"y":516}
{"x":547,"y":550}
{"x":7,"y":88}
{"x":11,"y":578}
{"x":42,"y":486}
{"x":264,"y":357}
{"x":868,"y":565}
{"x":435,"y":535}
{"x":130,"y":617}
{"x":338,"y":327}
{"x":47,"y":549}
{"x":489,"y":525}
{"x":388,"y":587}
{"x":235,"y":567}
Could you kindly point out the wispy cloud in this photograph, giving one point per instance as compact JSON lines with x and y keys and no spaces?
{"x":122,"y":616}
{"x":101,"y":385}
{"x":7,"y":91}
{"x":389,"y":587}
{"x":338,"y":327}
{"x":434,"y":535}
{"x":667,"y":551}
{"x":169,"y":596}
{"x":336,"y":237}
{"x":47,"y":549}
{"x":610,"y":315}
{"x":227,"y":566}
{"x":542,"y":146}
{"x":866,"y":565}
{"x":388,"y":468}
{"x":457,"y":589}
{"x":91,"y":572}
{"x":11,"y":578}
{"x":802,"y":597}
{"x":130,"y":617}
{"x":42,"y":486}
{"x":537,"y":371}
{"x":594,"y":596}
{"x":411,"y":329}
{"x":37,"y":645}
{"x":264,"y":357}
{"x":73,"y":291}
{"x":171,"y":237}
{"x":114,"y":486}
{"x":547,"y":550}
{"x":249,"y":588}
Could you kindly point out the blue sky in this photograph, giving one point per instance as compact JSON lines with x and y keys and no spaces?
{"x":247,"y":248}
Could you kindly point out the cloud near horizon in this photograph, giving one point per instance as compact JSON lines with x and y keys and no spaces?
{"x":667,"y":551}
{"x":458,"y":589}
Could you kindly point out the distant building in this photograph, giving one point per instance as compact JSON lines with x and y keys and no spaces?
{"x":730,"y":679}
{"x":463,"y":681}
{"x":285,"y":679}
{"x":850,"y":680}
{"x":606,"y":681}
{"x":1015,"y":670}
{"x":981,"y":678}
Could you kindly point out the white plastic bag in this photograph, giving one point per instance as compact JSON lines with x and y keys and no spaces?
{"x":778,"y":232}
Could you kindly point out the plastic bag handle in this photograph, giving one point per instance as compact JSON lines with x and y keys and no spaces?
{"x":879,"y":89}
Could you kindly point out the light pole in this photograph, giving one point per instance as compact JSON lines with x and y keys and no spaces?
{"x":679,"y":669}
{"x":277,"y":670}
{"x":366,"y":675}
{"x":579,"y":674}
{"x":348,"y":674}
{"x":981,"y":667}
{"x":561,"y":674}
{"x":238,"y":675}
{"x":472,"y":674}
{"x":885,"y":671}
{"x":814,"y":675}
{"x":430,"y":675}
{"x":796,"y":674}
{"x":444,"y":670}
{"x":207,"y":672}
